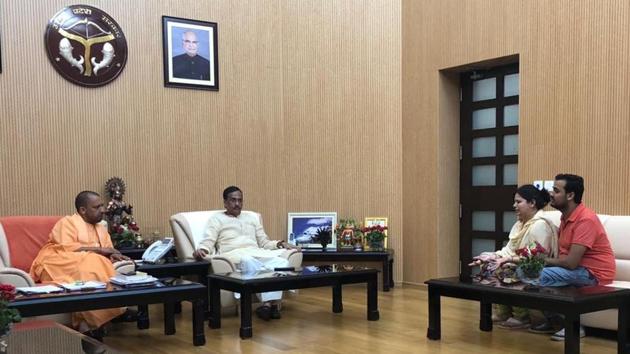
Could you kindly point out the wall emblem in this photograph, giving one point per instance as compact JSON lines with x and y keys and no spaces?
{"x":86,"y":46}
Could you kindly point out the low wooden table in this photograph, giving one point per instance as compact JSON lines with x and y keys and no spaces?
{"x":199,"y":269}
{"x":247,"y":285}
{"x":386,"y":257}
{"x":568,"y":301}
{"x":114,"y":296}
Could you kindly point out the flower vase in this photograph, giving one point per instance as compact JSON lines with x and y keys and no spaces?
{"x":376,"y":245}
{"x":527,"y":276}
{"x":324,"y":245}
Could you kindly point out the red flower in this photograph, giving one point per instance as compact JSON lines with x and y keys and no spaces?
{"x":133,"y":226}
{"x":7,"y":292}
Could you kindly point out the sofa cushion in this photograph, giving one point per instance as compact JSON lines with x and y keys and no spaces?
{"x":25,"y":236}
{"x":619,"y":235}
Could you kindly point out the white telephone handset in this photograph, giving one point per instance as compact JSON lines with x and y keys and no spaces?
{"x":157,"y":250}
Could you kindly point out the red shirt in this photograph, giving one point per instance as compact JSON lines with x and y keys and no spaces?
{"x":583,"y":227}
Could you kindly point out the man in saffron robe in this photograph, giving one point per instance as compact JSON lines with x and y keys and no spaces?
{"x":80,"y":249}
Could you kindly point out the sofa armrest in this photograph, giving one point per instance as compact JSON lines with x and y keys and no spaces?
{"x":222,"y":265}
{"x":294,"y":257}
{"x":15,"y":277}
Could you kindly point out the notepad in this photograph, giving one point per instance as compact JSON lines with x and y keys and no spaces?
{"x":44,"y":289}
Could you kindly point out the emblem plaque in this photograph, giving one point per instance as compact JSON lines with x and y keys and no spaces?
{"x":86,"y":45}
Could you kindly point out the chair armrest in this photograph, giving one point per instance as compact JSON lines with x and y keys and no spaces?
{"x":222,"y":265}
{"x":124,"y":266}
{"x":15,"y":277}
{"x":294,"y":257}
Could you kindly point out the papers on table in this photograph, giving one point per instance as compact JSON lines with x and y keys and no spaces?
{"x":81,"y":285}
{"x":44,"y":289}
{"x":139,"y":279}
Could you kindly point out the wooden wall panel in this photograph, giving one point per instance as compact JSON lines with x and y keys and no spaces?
{"x":574,"y":106}
{"x":307,"y":117}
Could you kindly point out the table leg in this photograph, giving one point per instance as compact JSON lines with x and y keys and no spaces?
{"x":143,"y":317}
{"x":571,"y":333}
{"x":202,"y":278}
{"x":199,"y":337}
{"x":337,"y":299}
{"x":246,"y":314}
{"x":386,"y":280}
{"x":391,"y":273}
{"x":434,"y":330}
{"x":372,"y":298}
{"x":623,"y":330}
{"x":485,"y":316}
{"x":169,"y":318}
{"x":214,"y":294}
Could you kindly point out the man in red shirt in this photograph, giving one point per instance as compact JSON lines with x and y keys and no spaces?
{"x":585,"y":256}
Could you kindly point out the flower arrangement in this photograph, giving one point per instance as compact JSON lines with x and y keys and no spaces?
{"x":7,"y":316}
{"x":532,"y":259}
{"x":375,"y":235}
{"x":124,"y":234}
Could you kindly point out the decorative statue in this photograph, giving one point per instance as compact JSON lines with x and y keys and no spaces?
{"x":121,"y":224}
{"x":349,"y":234}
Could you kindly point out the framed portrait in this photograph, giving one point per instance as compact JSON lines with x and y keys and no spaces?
{"x":303,"y":228}
{"x":377,"y":220}
{"x":190,"y":51}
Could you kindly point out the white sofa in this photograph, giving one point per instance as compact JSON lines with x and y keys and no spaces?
{"x":618,"y":229}
{"x":188,"y":231}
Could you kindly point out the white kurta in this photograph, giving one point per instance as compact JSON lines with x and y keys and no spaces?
{"x":242,"y":239}
{"x":234,"y":237}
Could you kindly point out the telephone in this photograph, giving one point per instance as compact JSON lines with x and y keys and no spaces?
{"x":157,"y":250}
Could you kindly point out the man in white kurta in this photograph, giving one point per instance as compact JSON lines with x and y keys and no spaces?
{"x":241,"y":238}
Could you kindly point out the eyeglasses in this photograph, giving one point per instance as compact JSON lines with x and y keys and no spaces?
{"x":189,"y":42}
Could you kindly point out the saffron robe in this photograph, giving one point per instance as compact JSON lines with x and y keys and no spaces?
{"x":59,"y":262}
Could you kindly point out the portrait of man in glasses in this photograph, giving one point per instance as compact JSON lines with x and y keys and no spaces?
{"x":191,"y":65}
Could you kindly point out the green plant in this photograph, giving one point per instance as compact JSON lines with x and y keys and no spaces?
{"x":7,"y":316}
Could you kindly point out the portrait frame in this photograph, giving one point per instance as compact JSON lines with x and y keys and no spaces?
{"x":302,"y":225}
{"x":377,"y":220}
{"x":180,"y":71}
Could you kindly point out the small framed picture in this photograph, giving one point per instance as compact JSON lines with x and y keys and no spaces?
{"x":304,"y":229}
{"x":190,"y":52}
{"x":377,"y":220}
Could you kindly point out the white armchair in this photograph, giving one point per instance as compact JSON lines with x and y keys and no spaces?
{"x":188,"y":231}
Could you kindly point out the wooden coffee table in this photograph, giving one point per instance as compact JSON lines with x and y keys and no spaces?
{"x":571,"y":302}
{"x":114,"y":296}
{"x":248,"y":285}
